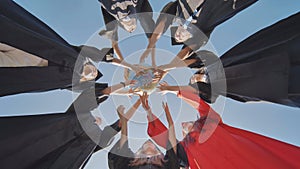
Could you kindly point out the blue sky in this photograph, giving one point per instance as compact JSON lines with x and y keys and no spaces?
{"x":79,"y":21}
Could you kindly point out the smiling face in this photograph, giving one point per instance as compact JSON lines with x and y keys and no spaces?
{"x":89,"y":72}
{"x":181,"y":34}
{"x":129,"y":23}
{"x":149,"y":148}
{"x":197,"y":78}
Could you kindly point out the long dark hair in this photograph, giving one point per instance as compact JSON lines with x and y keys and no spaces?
{"x":157,"y":161}
{"x":197,"y":128}
{"x":141,"y":159}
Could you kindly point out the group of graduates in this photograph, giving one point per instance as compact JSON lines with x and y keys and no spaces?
{"x":34,"y":58}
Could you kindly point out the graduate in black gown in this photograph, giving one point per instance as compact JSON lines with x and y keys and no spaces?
{"x":125,"y":13}
{"x":23,"y":36}
{"x":263,"y":67}
{"x":148,"y":156}
{"x":197,"y":19}
{"x":58,"y":140}
{"x":51,"y":140}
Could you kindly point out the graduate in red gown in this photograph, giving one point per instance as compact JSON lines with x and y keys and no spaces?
{"x":212,"y":144}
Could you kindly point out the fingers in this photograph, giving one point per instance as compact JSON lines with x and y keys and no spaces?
{"x":164,"y":83}
{"x":144,"y":100}
{"x":145,"y":94}
{"x":168,"y":114}
{"x":163,"y":105}
{"x":120,"y":110}
{"x":166,"y":108}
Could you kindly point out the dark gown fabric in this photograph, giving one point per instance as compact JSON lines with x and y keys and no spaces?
{"x":120,"y":158}
{"x":213,"y":13}
{"x":142,"y":10}
{"x":265,"y":66}
{"x":54,"y":141}
{"x":22,"y":30}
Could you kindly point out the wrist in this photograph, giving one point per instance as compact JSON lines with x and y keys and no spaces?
{"x":166,"y":88}
{"x":123,"y":83}
{"x":124,"y":122}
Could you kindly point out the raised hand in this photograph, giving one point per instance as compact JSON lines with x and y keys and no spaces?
{"x":138,"y":69}
{"x":172,"y":135}
{"x":144,"y":100}
{"x":168,"y":114}
{"x":121,"y":114}
{"x":163,"y":87}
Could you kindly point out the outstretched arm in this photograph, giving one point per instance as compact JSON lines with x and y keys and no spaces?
{"x":112,"y":89}
{"x":123,"y":63}
{"x":124,"y":120}
{"x":166,"y":88}
{"x":133,"y":109}
{"x":199,"y":104}
{"x":175,"y":65}
{"x":110,"y":131}
{"x":158,"y":31}
{"x":156,"y":129}
{"x":184,"y":53}
{"x":153,"y":59}
{"x":171,"y":135}
{"x":115,"y":45}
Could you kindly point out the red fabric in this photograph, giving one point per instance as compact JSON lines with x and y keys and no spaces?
{"x":158,"y":131}
{"x":232,"y":148}
{"x":203,"y":107}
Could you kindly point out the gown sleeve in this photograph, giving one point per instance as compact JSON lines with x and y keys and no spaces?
{"x":158,"y":131}
{"x":95,"y":54}
{"x":204,"y":109}
{"x":107,"y":135}
{"x":171,"y":157}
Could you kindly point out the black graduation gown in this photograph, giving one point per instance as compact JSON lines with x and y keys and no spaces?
{"x":22,"y":30}
{"x":54,"y":140}
{"x":213,"y":13}
{"x":265,"y":66}
{"x":142,"y":10}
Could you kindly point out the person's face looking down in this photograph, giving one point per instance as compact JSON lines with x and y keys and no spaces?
{"x":149,"y":148}
{"x":89,"y":72}
{"x":186,"y":127}
{"x":181,"y":34}
{"x":197,"y":78}
{"x":129,"y":23}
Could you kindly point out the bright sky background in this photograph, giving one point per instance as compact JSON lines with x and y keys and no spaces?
{"x":77,"y":21}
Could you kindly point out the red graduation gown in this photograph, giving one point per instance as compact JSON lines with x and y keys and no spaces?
{"x":228,"y":147}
